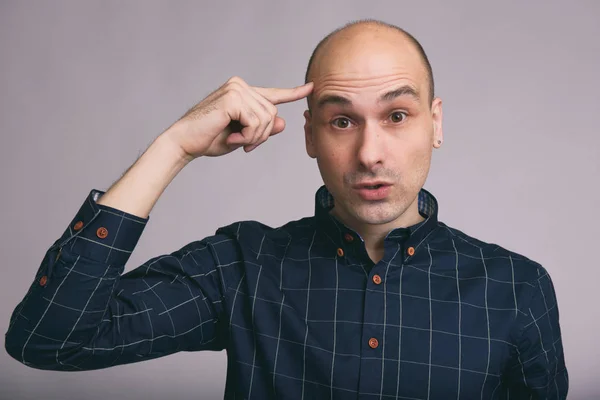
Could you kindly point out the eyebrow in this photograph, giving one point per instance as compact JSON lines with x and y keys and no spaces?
{"x":399,"y":92}
{"x":386,"y":97}
{"x":333,"y":99}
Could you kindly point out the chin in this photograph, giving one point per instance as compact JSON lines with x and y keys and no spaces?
{"x":378,"y":214}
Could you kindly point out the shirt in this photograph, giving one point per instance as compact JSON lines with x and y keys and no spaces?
{"x":301,"y":310}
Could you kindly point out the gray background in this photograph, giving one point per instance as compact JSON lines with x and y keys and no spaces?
{"x":86,"y":86}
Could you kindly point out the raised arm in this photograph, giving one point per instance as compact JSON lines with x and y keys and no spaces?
{"x":80,"y":313}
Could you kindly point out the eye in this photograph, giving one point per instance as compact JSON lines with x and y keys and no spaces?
{"x":398,"y":116}
{"x":341,"y":123}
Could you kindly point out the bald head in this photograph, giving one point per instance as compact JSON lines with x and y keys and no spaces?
{"x":361,"y":35}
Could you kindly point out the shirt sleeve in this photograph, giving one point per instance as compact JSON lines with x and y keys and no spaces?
{"x":538,"y":370}
{"x":81,"y":312}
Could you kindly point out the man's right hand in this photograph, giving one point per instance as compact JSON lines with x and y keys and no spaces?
{"x":235,"y":115}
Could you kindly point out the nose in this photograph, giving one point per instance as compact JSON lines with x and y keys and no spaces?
{"x":371,"y":147}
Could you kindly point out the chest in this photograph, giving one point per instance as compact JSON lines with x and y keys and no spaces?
{"x":391,"y":328}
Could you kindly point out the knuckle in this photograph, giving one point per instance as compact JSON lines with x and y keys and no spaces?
{"x":266,"y":132}
{"x":273,"y":111}
{"x":262,"y":108}
{"x":253,"y":138}
{"x":236,"y":81}
{"x":266,"y":118}
{"x":233,"y":87}
{"x":254,"y":121}
{"x":234,"y":92}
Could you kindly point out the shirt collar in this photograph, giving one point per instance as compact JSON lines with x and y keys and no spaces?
{"x":412,"y":235}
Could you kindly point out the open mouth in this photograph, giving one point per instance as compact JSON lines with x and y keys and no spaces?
{"x":374,"y":192}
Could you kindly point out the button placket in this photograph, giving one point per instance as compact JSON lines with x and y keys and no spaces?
{"x":373,"y":316}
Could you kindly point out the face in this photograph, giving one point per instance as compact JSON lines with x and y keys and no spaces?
{"x":372,"y":127}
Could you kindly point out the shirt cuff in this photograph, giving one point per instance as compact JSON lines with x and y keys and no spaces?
{"x":102,"y":233}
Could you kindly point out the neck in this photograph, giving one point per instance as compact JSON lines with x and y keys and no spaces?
{"x":374,"y":234}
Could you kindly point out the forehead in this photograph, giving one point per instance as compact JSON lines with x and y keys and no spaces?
{"x":367,"y":62}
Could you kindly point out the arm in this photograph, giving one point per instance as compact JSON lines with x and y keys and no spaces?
{"x":539,"y":370}
{"x":81,"y":314}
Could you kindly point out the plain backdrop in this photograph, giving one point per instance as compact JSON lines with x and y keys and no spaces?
{"x":85,"y":86}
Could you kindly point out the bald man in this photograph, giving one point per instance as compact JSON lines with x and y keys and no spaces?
{"x":372,"y":297}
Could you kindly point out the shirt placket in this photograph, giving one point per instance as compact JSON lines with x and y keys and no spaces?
{"x":373,"y":330}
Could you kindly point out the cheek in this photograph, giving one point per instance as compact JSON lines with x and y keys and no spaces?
{"x":409,"y":152}
{"x":420,"y":156}
{"x":413,"y":160}
{"x":331,"y":156}
{"x":419,"y":165}
{"x":331,"y":162}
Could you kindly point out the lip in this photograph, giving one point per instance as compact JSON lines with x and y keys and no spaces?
{"x":373,"y":194}
{"x":374,"y":183}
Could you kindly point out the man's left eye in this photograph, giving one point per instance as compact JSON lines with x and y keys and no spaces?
{"x":398,"y":116}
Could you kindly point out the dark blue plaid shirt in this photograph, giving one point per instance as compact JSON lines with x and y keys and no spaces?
{"x":301,"y":310}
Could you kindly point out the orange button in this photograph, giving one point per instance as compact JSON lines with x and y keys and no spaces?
{"x":410,"y":251}
{"x":43,"y":280}
{"x":340,"y":252}
{"x":348,"y":237}
{"x":376,"y":279}
{"x":373,"y":343}
{"x":102,"y":232}
{"x":78,"y":225}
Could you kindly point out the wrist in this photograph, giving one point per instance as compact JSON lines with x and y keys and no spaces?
{"x":170,"y":140}
{"x":143,"y":183}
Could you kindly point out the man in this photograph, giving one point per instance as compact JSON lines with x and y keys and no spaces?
{"x":370,"y":298}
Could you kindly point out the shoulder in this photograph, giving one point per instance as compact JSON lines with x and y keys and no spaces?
{"x":253,"y":233}
{"x":493,"y":257}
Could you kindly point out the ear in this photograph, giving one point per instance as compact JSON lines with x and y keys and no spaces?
{"x":308,"y":135}
{"x":436,"y":116}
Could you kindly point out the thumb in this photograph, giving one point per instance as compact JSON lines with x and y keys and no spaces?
{"x":278,"y":126}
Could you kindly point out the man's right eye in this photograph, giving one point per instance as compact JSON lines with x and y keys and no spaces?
{"x":341,"y":123}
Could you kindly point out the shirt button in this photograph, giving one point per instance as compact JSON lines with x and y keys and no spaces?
{"x":102,"y":232}
{"x":43,"y":280}
{"x":348,"y":237}
{"x":340,"y":252}
{"x":376,"y":279}
{"x":78,"y":225}
{"x":373,"y":343}
{"x":410,"y":251}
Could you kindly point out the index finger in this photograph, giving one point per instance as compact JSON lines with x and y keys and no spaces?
{"x":279,"y":95}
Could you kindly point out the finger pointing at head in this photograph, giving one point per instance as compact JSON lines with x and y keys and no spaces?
{"x":279,"y":95}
